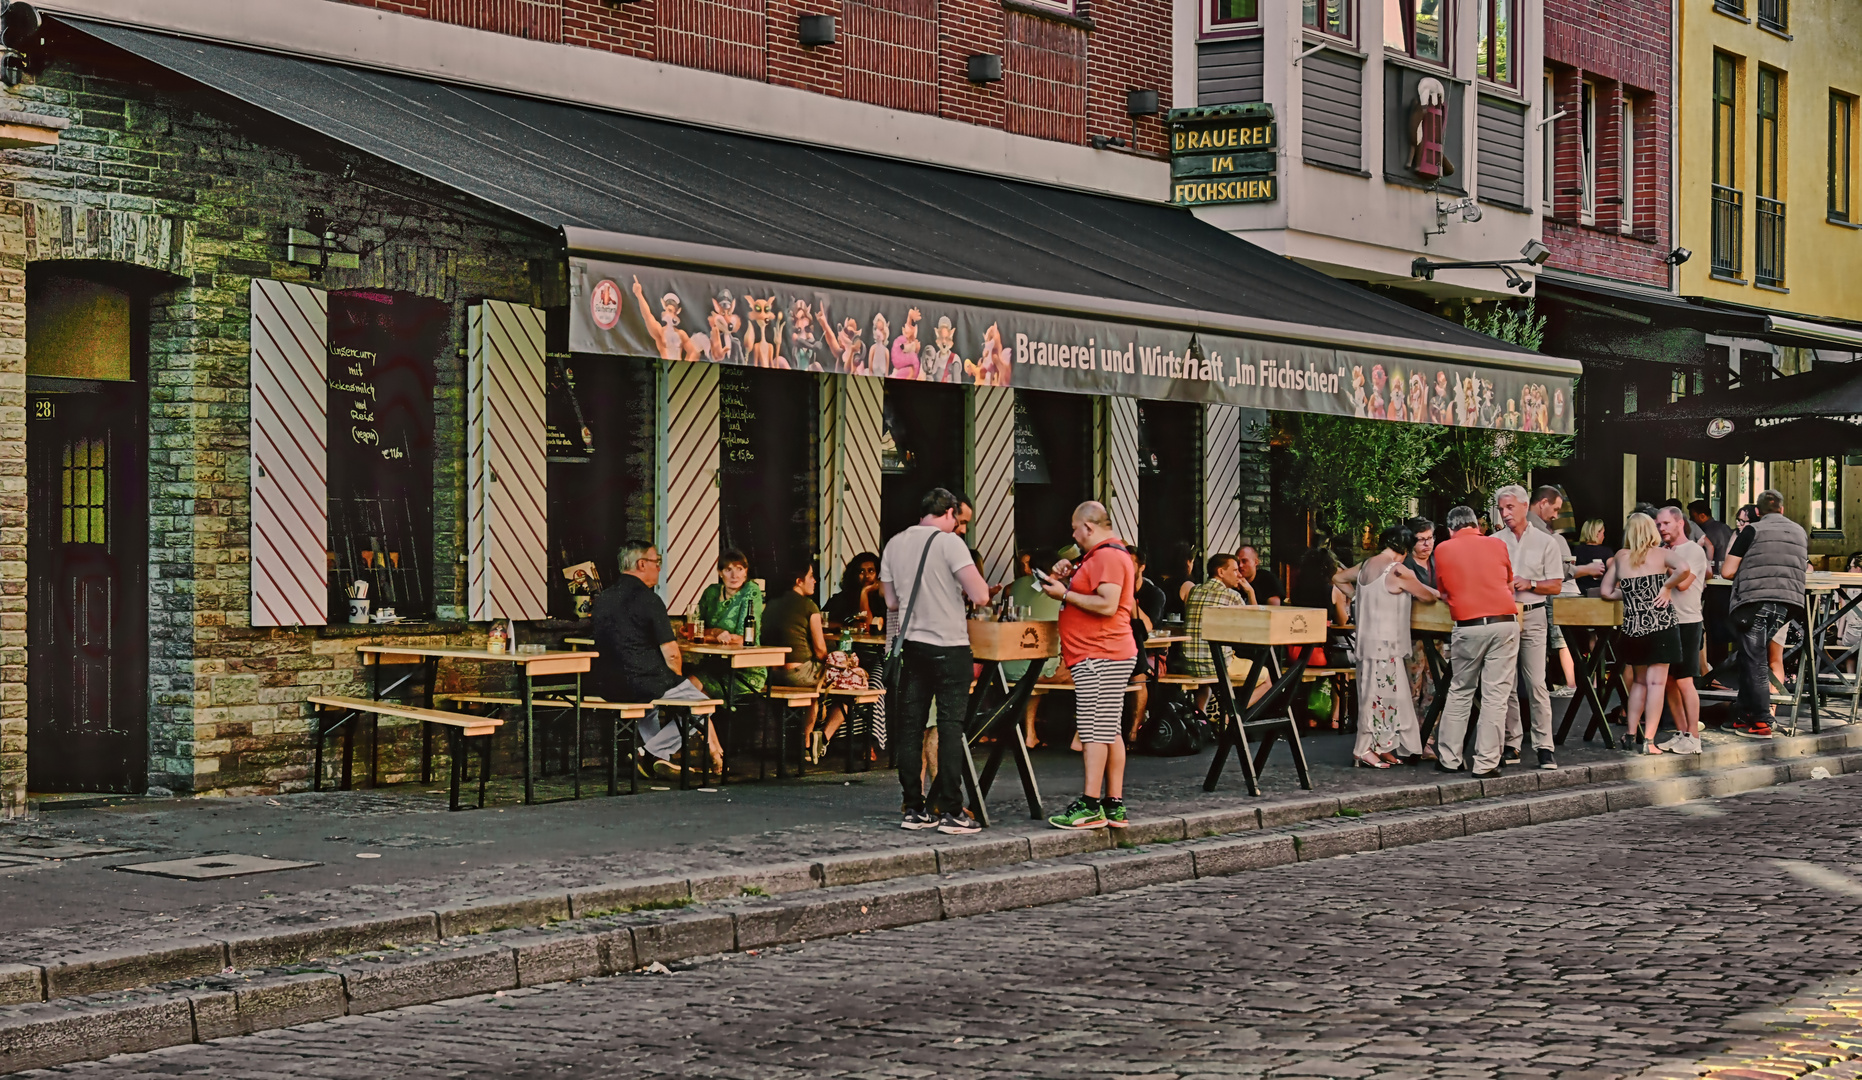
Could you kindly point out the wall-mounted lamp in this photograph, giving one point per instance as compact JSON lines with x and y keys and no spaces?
{"x":984,"y":68}
{"x":19,"y":33}
{"x":815,"y":30}
{"x":1677,"y":256}
{"x":1141,"y":103}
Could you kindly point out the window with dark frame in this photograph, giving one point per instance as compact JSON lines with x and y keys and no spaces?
{"x":1730,"y":7}
{"x":1327,"y":16}
{"x":1842,"y":155}
{"x":1774,"y":14}
{"x":1826,"y":493}
{"x":1417,"y":28}
{"x":1493,"y":56}
{"x":1728,"y":200}
{"x":1767,"y":207}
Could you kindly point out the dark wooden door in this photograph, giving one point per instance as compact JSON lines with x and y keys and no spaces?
{"x":87,"y":517}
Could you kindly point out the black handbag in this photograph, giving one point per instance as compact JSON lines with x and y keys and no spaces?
{"x":892,"y":669}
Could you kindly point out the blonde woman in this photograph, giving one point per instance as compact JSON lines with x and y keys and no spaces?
{"x":1645,"y":576}
{"x":1589,"y":556}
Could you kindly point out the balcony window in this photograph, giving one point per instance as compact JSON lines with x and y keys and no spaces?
{"x":1417,"y":28}
{"x":1493,"y":56}
{"x":1842,"y":157}
{"x":1768,"y":209}
{"x":1548,"y":143}
{"x":1728,"y":200}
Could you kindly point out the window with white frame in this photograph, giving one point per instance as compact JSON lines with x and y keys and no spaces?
{"x":1587,"y":150}
{"x":1327,"y":16}
{"x":1228,"y":16}
{"x":1548,"y":143}
{"x":1626,"y":168}
{"x":1064,"y":7}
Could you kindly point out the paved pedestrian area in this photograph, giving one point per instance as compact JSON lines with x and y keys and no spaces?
{"x":1598,"y":947}
{"x":428,"y":857}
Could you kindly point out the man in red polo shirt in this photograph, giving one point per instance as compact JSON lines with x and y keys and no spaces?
{"x":1475,"y":575}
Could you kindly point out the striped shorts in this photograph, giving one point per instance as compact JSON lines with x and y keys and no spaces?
{"x":1099,"y":698}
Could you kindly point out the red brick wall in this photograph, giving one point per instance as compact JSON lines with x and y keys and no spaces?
{"x":1060,"y":81}
{"x":726,"y":36}
{"x":1623,"y":48}
{"x":538,"y":20}
{"x":1125,"y":57}
{"x":624,"y":28}
{"x":1044,"y":70}
{"x":891,"y":52}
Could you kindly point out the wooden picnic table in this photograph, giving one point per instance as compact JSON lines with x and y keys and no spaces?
{"x":1253,"y":631}
{"x":532,"y":665}
{"x":734,"y":658}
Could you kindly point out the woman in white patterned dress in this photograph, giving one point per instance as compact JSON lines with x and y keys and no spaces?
{"x":1387,"y":728}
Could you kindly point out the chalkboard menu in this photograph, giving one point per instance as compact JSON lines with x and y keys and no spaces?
{"x":381,"y":370}
{"x":1030,"y":462}
{"x":736,"y":420}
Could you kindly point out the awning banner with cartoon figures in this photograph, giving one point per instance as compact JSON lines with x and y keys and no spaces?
{"x":640,"y":310}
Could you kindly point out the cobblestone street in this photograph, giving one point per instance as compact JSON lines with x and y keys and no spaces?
{"x":1589,"y":948}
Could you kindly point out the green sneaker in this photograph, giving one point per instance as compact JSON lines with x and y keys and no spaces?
{"x":1079,"y":816}
{"x":1115,"y":815}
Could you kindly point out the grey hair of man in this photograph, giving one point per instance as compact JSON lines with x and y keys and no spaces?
{"x":1462,"y":517}
{"x":1770,"y":502}
{"x":1512,"y":491}
{"x":633,"y":551}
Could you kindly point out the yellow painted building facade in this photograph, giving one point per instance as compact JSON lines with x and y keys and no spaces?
{"x":1768,"y":101}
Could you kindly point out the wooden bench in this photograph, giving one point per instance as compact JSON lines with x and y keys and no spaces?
{"x":694,"y":709}
{"x":458,"y":726}
{"x":796,"y":698}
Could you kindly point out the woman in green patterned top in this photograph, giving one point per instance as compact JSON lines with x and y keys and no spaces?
{"x":728,"y":606}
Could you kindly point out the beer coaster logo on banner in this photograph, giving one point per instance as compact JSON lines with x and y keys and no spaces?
{"x":604,"y":304}
{"x":1719,"y":428}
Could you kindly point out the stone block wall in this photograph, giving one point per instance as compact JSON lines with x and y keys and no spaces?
{"x":203,"y":190}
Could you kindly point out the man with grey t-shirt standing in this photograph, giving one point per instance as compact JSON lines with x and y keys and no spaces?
{"x":928,"y":608}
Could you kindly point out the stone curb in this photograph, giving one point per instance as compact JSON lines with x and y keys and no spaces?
{"x":82,"y":1028}
{"x":1679,"y":777}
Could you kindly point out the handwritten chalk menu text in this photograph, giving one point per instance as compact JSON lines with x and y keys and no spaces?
{"x":383,"y":347}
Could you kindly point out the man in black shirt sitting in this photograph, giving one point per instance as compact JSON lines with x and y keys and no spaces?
{"x":640,"y":658}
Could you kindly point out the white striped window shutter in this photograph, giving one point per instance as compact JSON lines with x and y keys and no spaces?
{"x":993,"y":532}
{"x":1221,"y":479}
{"x":1122,"y":463}
{"x":507,"y":504}
{"x":289,"y":382}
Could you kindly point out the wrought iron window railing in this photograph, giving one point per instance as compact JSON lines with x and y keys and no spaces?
{"x":1774,"y":14}
{"x":1768,"y":241}
{"x":1728,"y":224}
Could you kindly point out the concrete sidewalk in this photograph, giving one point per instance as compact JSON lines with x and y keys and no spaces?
{"x":425,"y":857}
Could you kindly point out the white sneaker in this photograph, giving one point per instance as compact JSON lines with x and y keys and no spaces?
{"x":1693,"y":744}
{"x":1675,"y":744}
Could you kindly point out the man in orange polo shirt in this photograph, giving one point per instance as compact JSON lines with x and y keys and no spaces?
{"x":1475,"y":575}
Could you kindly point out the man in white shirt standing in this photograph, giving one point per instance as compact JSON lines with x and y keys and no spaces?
{"x":928,"y":608}
{"x":1538,"y":572}
{"x":1690,"y":619}
{"x":1547,"y":501}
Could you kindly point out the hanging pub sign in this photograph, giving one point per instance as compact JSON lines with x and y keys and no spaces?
{"x":1223,"y":154}
{"x":717,"y":318}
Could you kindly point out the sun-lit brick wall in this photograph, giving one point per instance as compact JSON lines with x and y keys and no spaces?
{"x":1065,"y":78}
{"x":1621,"y":47}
